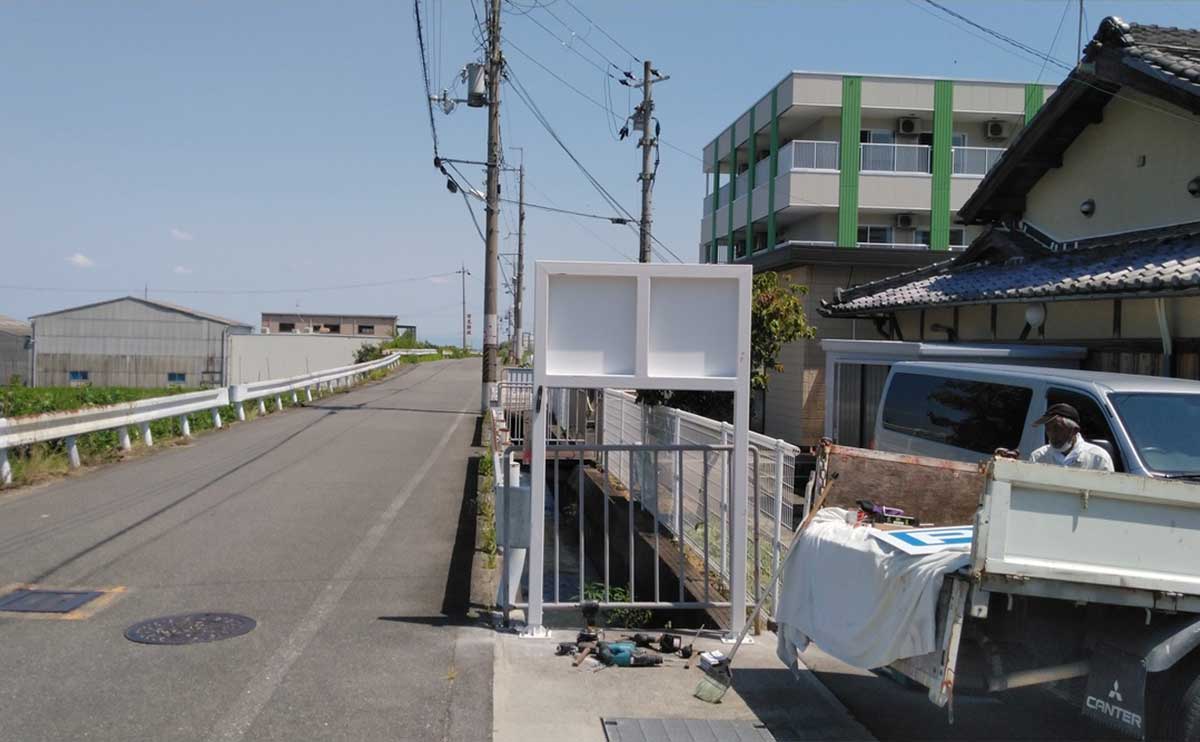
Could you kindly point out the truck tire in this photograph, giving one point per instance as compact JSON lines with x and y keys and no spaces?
{"x":1179,"y":718}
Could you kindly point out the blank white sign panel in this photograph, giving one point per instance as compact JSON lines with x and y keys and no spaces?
{"x":592,"y":324}
{"x":693,"y":327}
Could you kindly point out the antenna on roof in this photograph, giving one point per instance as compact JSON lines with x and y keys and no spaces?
{"x":146,"y":292}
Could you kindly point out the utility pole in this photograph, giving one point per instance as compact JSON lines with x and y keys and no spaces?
{"x":647,"y":177}
{"x":464,"y":272}
{"x":491,"y":268}
{"x":519,"y":278}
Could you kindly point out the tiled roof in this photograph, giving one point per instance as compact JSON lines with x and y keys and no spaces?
{"x":1171,"y":53}
{"x":1161,"y":261}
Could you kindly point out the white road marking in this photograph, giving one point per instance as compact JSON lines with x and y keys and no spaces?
{"x":259,"y":691}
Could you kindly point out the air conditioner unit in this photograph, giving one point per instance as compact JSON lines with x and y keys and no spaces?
{"x":995,"y":129}
{"x":908,"y":125}
{"x":906,"y":221}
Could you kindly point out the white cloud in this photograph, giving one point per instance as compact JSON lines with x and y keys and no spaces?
{"x":181,"y":235}
{"x":439,"y":279}
{"x":79,"y":260}
{"x":182,"y":270}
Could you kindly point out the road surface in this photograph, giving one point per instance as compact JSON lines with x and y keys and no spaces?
{"x":333,"y":526}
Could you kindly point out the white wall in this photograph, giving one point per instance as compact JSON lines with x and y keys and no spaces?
{"x":1102,"y":164}
{"x":262,"y":357}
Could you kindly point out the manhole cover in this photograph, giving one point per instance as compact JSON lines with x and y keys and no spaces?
{"x":46,"y":601}
{"x":190,"y":628}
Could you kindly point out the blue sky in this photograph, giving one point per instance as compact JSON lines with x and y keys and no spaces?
{"x":256,"y":147}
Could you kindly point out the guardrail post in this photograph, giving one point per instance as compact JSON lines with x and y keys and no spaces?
{"x":677,"y":487}
{"x":216,"y":413}
{"x":295,"y":399}
{"x":72,"y":452}
{"x":123,"y":438}
{"x":147,"y":436}
{"x":725,"y":519}
{"x":278,"y":402}
{"x":308,"y":394}
{"x":185,"y":426}
{"x":262,"y":406}
{"x":241,"y":412}
{"x":6,"y":476}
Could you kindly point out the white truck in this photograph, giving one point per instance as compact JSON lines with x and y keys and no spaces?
{"x":1087,"y":582}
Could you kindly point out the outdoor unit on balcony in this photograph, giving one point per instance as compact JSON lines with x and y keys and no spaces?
{"x":906,"y":221}
{"x":908,"y":125}
{"x":995,"y":129}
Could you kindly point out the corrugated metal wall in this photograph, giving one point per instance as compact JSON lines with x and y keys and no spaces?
{"x":14,"y":358}
{"x":127,"y":343}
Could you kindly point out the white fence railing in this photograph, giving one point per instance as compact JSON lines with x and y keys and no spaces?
{"x":627,"y":422}
{"x":67,"y":426}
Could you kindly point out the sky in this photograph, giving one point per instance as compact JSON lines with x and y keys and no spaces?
{"x":241,"y":157}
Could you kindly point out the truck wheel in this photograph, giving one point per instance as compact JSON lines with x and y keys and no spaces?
{"x":1180,"y":716}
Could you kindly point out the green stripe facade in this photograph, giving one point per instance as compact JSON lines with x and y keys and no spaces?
{"x":752,"y":149}
{"x":772,"y":169}
{"x":716,"y":189}
{"x":1034,"y":97}
{"x":733,"y":171}
{"x":943,"y":136}
{"x":849,"y":160}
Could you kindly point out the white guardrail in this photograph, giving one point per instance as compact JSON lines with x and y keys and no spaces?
{"x":66,"y":426}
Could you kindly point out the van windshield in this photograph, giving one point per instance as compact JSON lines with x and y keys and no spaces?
{"x":1163,"y":428}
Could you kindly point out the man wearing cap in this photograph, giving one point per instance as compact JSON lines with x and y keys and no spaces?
{"x":1067,"y":447}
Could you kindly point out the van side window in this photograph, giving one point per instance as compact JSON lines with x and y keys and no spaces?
{"x":1092,"y":421}
{"x":976,"y":415}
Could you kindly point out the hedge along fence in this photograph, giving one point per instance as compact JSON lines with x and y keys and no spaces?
{"x":36,"y":461}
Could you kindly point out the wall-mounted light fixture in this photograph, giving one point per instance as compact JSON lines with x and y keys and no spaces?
{"x":1088,"y":207}
{"x":1194,"y":187}
{"x":1035,"y":315}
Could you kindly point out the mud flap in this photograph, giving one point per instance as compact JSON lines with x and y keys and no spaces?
{"x":1116,"y":691}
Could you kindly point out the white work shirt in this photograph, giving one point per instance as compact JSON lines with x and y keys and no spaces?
{"x":1083,"y":455}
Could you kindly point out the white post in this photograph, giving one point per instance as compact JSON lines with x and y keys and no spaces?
{"x":216,"y":413}
{"x":241,"y":412}
{"x":676,"y":461}
{"x":185,"y":426}
{"x":295,"y":399}
{"x":724,"y":501}
{"x":6,"y":476}
{"x":278,"y":402}
{"x":123,"y":438}
{"x":741,"y":442}
{"x":779,"y":470}
{"x":308,"y":394}
{"x":537,"y":509}
{"x":262,"y":406}
{"x":147,"y":436}
{"x":72,"y":452}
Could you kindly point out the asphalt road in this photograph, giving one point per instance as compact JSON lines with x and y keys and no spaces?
{"x":339,"y":528}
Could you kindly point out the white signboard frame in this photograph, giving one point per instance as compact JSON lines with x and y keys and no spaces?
{"x":642,"y":326}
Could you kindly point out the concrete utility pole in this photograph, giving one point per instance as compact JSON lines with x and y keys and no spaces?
{"x":491,"y":268}
{"x":519,"y":278}
{"x":644,"y":116}
{"x":647,"y":176}
{"x":464,"y":272}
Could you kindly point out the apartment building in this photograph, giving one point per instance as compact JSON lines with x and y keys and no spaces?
{"x":372,"y":325}
{"x":839,"y":179}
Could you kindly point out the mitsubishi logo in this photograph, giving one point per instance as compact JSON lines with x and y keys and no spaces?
{"x":1115,"y":693}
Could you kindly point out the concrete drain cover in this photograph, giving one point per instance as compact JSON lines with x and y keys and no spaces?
{"x":190,"y":628}
{"x":46,"y":601}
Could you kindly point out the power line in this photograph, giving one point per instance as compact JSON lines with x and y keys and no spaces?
{"x":527,"y":99}
{"x":584,"y":227}
{"x":600,"y":28}
{"x":601,"y":54}
{"x":425,"y":74}
{"x":569,"y":47}
{"x":1054,"y":41}
{"x":590,"y":99}
{"x":229,"y":292}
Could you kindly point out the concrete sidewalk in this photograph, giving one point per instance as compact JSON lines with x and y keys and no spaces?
{"x":537,"y":696}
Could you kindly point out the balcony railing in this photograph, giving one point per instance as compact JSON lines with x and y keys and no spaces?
{"x":813,"y":155}
{"x":975,"y":160}
{"x":894,"y":158}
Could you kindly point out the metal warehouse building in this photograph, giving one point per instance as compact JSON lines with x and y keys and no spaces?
{"x":14,"y":350}
{"x":132,"y":342}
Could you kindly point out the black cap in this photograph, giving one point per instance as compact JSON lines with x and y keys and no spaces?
{"x":1058,"y":410}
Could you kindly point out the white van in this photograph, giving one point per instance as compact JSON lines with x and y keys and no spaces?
{"x":965,"y":411}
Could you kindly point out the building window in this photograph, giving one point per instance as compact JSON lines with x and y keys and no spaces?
{"x":174,"y":377}
{"x":877,"y":136}
{"x":287,"y":326}
{"x":331,"y":329}
{"x":958,"y":237}
{"x":874,"y":235}
{"x":78,"y":378}
{"x":366,"y":329}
